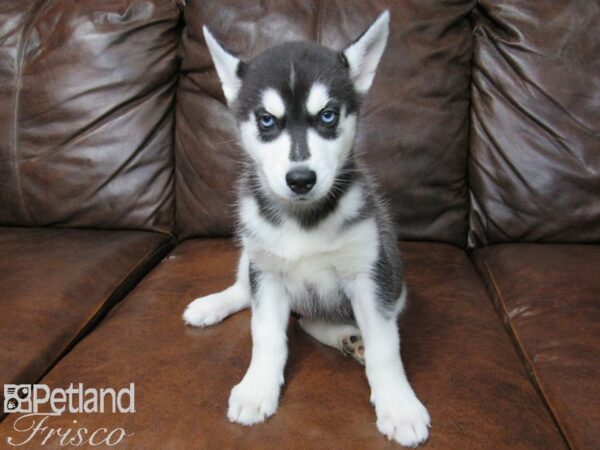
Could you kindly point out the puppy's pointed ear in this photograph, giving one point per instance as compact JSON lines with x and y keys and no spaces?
{"x":364,"y":54}
{"x":228,"y":66}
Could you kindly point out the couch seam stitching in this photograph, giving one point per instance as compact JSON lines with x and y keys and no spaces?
{"x":23,"y":41}
{"x":469,"y":129}
{"x":521,"y":350}
{"x":124,"y":278}
{"x":66,"y":349}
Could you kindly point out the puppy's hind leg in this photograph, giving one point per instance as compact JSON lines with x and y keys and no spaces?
{"x":212,"y":309}
{"x":343,"y":336}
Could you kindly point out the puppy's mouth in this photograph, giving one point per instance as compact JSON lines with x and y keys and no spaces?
{"x":300,"y":200}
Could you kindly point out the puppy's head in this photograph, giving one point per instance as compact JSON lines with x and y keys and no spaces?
{"x":297,"y":105}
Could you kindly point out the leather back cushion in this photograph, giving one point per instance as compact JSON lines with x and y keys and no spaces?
{"x":86,"y":113}
{"x":414,"y":127}
{"x":535,"y":137}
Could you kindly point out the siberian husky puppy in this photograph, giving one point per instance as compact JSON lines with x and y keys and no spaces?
{"x":316,"y":238}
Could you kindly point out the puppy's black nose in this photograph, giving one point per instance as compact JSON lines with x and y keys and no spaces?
{"x":301,"y":181}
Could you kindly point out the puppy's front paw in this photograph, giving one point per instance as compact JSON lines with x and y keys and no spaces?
{"x":205,"y":311}
{"x":252,"y":402}
{"x":402,"y":419}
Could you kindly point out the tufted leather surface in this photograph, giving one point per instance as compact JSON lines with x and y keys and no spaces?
{"x":457,"y":355}
{"x":414,"y":125}
{"x":535,"y":136}
{"x":56,"y":283}
{"x":548,"y":296}
{"x":86,"y":113}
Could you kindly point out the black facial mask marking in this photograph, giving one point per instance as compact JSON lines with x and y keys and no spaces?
{"x":310,"y":64}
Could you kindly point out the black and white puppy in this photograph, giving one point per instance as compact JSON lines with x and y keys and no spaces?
{"x":317,"y":240}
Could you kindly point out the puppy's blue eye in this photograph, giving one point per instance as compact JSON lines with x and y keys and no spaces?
{"x":266,"y":121}
{"x":328,"y":117}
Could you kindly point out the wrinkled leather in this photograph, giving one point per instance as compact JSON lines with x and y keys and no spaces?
{"x":56,"y":283}
{"x":535,"y":135}
{"x":548,"y":296}
{"x":86,"y":140}
{"x":414,"y":126}
{"x":86,"y":113}
{"x":456,"y":352}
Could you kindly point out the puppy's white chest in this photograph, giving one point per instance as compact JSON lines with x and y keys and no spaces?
{"x":315,"y":281}
{"x":316,"y":257}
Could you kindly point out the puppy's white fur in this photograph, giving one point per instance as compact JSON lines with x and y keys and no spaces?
{"x":273,"y":103}
{"x":317,"y":98}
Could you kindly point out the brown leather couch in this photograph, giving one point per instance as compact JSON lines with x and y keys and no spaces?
{"x":117,"y":165}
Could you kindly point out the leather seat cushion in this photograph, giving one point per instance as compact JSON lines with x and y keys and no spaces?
{"x":457,"y":355}
{"x":56,"y":283}
{"x":549,"y":296}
